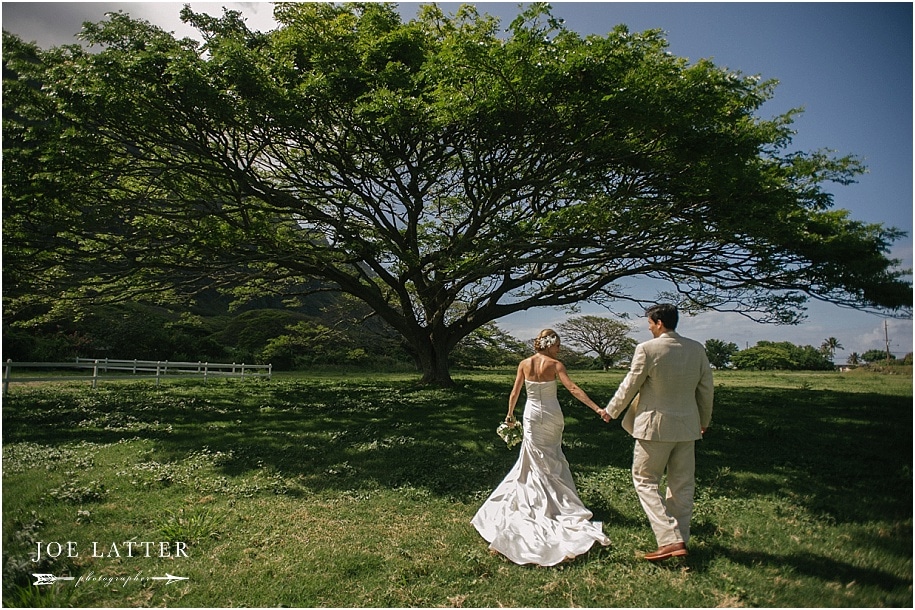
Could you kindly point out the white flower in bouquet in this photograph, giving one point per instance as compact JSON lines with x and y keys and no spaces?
{"x":511,"y":432}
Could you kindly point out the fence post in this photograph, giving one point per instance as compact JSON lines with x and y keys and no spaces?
{"x":95,"y":373}
{"x":158,"y":365}
{"x":242,"y":370}
{"x":134,"y":366}
{"x":206,"y":369}
{"x":270,"y":371}
{"x":6,"y":375}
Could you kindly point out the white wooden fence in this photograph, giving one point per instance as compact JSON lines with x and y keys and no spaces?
{"x":138,"y":369}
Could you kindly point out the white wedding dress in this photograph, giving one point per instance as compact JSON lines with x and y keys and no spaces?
{"x":535,"y":514}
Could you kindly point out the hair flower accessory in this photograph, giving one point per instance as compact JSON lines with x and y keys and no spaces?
{"x":511,"y":432}
{"x":548,"y":341}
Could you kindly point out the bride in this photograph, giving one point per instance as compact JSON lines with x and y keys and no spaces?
{"x":535,"y":514}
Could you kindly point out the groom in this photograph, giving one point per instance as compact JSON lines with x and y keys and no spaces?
{"x":671,"y":382}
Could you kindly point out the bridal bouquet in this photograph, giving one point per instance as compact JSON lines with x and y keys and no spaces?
{"x":511,"y":432}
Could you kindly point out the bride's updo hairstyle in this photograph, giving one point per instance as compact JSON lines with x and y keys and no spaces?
{"x":546,"y":339}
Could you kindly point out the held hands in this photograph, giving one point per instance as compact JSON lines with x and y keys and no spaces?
{"x":603,"y":414}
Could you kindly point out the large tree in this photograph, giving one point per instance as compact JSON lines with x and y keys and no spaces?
{"x":443,"y":171}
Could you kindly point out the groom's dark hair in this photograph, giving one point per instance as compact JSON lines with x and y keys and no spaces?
{"x":666,"y":313}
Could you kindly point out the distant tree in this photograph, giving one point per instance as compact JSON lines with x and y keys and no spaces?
{"x":605,"y":337}
{"x":720,"y":353}
{"x":854,"y":359}
{"x":763,"y":358}
{"x":447,"y":171}
{"x":809,"y":358}
{"x":830,"y":346}
{"x":782,"y":355}
{"x":876,"y":355}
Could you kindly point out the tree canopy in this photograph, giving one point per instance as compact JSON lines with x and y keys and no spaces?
{"x":608,"y":338}
{"x":829,"y":347}
{"x":876,"y":355}
{"x":720,"y":352}
{"x":782,"y":355}
{"x":443,"y":171}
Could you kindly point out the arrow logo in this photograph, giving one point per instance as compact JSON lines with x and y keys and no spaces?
{"x":49,"y":579}
{"x":168,"y":577}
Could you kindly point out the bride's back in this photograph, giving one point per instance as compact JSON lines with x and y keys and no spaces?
{"x":539,"y":368}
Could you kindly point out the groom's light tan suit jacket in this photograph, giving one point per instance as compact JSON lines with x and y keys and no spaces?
{"x":671,"y":381}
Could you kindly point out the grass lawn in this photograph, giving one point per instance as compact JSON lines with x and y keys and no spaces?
{"x":357,"y":490}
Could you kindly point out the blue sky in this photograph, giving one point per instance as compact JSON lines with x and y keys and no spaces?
{"x":849,"y":65}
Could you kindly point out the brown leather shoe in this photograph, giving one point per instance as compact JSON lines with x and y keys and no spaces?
{"x":667,"y":551}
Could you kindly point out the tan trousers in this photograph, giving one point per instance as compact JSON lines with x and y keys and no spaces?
{"x":669,"y":515}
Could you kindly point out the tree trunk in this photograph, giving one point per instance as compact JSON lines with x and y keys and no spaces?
{"x":432,"y":361}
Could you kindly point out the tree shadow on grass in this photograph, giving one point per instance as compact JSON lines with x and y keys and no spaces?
{"x":812,"y":565}
{"x":327,"y":436}
{"x":843,"y":456}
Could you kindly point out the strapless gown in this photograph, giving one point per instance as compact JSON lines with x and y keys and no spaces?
{"x":535,"y":515}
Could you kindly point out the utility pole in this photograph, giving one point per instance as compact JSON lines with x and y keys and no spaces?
{"x":886,"y":335}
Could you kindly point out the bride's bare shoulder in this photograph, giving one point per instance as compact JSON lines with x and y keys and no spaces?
{"x":539,"y":368}
{"x":526,"y":366}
